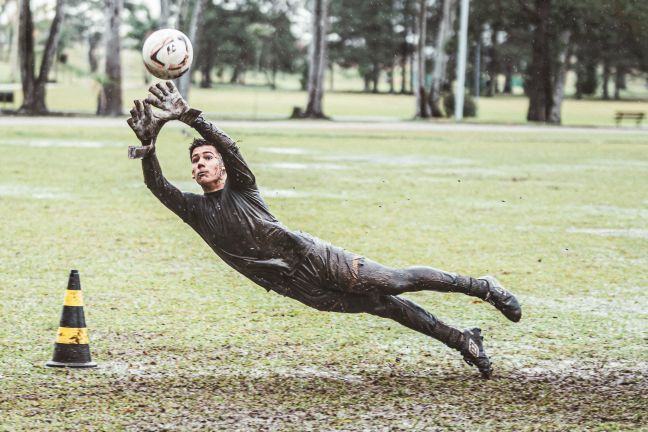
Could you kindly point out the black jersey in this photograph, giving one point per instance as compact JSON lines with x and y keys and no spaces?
{"x":234,"y":221}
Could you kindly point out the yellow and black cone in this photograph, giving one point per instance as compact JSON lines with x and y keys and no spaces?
{"x":72,"y":347}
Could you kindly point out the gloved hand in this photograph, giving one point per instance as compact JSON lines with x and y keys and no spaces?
{"x":145,"y":123}
{"x":166,"y":97}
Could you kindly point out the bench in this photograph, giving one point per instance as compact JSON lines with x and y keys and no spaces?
{"x":6,"y":96}
{"x":632,"y":115}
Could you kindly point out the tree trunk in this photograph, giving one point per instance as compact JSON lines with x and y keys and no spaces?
{"x":14,"y":53}
{"x":34,"y":88}
{"x":493,"y":65}
{"x":375,"y":77}
{"x":508,"y":82}
{"x":540,"y":71}
{"x":619,"y":82}
{"x":6,"y":47}
{"x":476,"y":88}
{"x":273,"y":83}
{"x":606,"y":79}
{"x":110,"y":97}
{"x":366,"y":77}
{"x":165,"y":13}
{"x":183,"y":83}
{"x":555,"y":116}
{"x":317,"y":61}
{"x":26,"y":54}
{"x":235,"y":75}
{"x":412,"y":72}
{"x":403,"y":65}
{"x":422,"y":108}
{"x":93,"y":43}
{"x":9,"y":36}
{"x":439,"y":74}
{"x":205,"y":71}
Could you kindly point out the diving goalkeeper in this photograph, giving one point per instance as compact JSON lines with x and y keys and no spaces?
{"x":233,"y":219}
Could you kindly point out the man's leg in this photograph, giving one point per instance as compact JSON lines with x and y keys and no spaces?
{"x":372,"y":278}
{"x":306,"y":285}
{"x":413,"y":316}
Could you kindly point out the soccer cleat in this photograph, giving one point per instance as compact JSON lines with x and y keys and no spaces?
{"x":473,"y":352}
{"x":503,"y":300}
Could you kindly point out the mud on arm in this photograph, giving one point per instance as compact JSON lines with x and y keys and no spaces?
{"x":169,"y":195}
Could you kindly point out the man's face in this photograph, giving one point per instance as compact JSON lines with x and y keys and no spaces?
{"x":207,"y":168}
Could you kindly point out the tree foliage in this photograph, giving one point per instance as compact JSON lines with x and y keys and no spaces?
{"x":251,"y":36}
{"x":539,"y":41}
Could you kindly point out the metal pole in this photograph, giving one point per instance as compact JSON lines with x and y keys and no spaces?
{"x":461,"y":60}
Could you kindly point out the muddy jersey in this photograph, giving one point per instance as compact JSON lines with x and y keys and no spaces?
{"x":234,"y":221}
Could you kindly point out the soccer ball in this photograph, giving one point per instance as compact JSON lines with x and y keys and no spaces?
{"x":167,"y":53}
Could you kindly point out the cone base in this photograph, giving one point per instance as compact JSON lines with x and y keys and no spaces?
{"x":56,"y":364}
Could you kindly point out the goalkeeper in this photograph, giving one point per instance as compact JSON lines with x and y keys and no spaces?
{"x":232,"y":218}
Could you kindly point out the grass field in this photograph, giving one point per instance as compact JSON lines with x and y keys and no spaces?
{"x":183,"y":342}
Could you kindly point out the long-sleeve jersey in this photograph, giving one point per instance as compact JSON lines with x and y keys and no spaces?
{"x":234,"y":221}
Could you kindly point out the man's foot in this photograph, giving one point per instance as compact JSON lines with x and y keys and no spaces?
{"x":503,"y":300}
{"x":473,"y":352}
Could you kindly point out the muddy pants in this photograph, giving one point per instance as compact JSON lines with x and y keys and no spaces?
{"x":331,"y":279}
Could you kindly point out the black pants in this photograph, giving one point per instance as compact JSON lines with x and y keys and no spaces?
{"x":331,"y":279}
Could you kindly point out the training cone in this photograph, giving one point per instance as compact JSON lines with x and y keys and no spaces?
{"x":72,"y":347}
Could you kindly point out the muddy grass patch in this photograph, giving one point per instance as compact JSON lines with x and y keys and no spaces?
{"x":308,"y":398}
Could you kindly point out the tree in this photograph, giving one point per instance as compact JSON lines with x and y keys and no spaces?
{"x":563,"y":65}
{"x":110,"y":97}
{"x":439,"y":74}
{"x":33,"y":86}
{"x":245,"y":36}
{"x":278,"y":50}
{"x":317,"y":61}
{"x":84,"y":25}
{"x":165,"y":13}
{"x":404,"y":29}
{"x":191,"y":31}
{"x":539,"y":86}
{"x":366,"y":37}
{"x":422,"y":103}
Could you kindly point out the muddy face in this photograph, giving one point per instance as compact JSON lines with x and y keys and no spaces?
{"x":207,"y":168}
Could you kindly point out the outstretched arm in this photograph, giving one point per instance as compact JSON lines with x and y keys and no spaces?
{"x":165,"y":97}
{"x":146,"y":126}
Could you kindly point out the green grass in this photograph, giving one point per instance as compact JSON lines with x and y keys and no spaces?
{"x":183,"y":342}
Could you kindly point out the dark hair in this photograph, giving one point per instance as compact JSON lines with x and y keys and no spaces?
{"x":199,"y":142}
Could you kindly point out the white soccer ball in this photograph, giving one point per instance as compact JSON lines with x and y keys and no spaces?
{"x":167,"y":53}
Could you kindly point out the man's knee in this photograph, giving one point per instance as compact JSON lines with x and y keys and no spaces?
{"x":376,"y":279}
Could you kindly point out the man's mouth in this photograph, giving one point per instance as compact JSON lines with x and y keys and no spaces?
{"x":201,"y":173}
